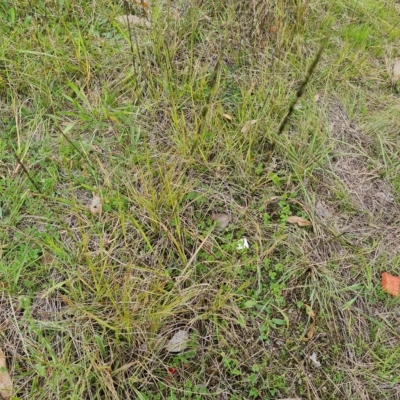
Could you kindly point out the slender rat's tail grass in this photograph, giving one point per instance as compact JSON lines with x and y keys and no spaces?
{"x":301,"y":88}
{"x":28,"y":175}
{"x":206,"y":107}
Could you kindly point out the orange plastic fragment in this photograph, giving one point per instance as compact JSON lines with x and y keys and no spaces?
{"x":391,"y":284}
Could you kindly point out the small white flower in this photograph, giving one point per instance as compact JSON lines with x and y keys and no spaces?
{"x":242,"y":244}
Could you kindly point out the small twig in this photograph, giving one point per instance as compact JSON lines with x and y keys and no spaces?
{"x":26,"y":172}
{"x":300,"y":90}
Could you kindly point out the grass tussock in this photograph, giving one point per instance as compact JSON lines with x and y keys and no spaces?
{"x":148,"y":118}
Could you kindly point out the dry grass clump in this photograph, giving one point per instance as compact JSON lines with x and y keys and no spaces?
{"x":138,"y":139}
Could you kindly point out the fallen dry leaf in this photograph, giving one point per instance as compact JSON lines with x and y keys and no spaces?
{"x":228,"y":117}
{"x":222,"y":219}
{"x":95,"y":206}
{"x":133,"y":20}
{"x":5,"y":380}
{"x":390,"y":284}
{"x":178,"y":342}
{"x":317,"y":96}
{"x":248,"y":125}
{"x":310,"y":332}
{"x":313,"y":358}
{"x":298,"y":220}
{"x":310,"y":312}
{"x":396,"y":72}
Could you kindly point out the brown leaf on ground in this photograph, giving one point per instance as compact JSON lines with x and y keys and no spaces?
{"x":310,"y":312}
{"x":310,"y":332}
{"x":396,"y":72}
{"x":248,"y":125}
{"x":133,"y":20}
{"x":222,"y":219}
{"x":390,"y":284}
{"x":5,"y":380}
{"x":317,"y":96}
{"x":95,"y":206}
{"x":298,"y":220}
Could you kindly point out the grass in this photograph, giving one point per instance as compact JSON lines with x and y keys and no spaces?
{"x":136,"y":117}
